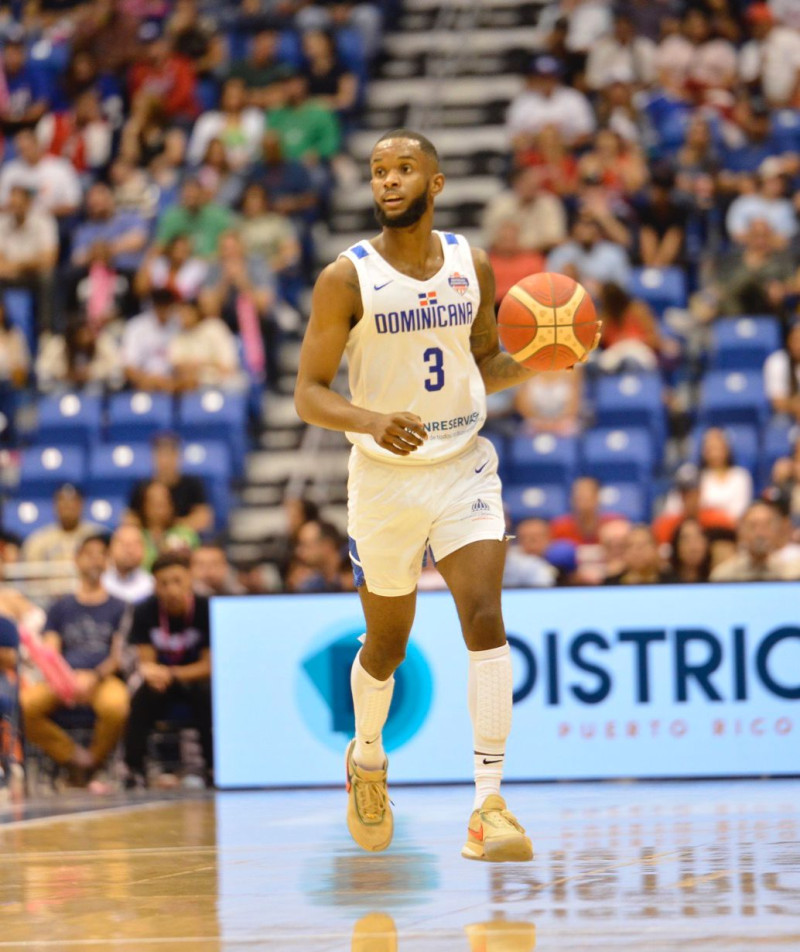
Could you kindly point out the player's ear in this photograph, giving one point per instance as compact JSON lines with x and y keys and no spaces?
{"x":437,"y":183}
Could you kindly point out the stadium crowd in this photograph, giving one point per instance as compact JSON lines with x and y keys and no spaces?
{"x":163,"y":167}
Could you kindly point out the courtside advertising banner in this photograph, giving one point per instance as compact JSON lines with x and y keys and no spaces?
{"x":652,"y":681}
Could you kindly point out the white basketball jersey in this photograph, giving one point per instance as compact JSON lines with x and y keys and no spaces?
{"x":411,"y":352}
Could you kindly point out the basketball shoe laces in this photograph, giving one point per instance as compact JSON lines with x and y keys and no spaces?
{"x":371,"y":798}
{"x":507,"y":819}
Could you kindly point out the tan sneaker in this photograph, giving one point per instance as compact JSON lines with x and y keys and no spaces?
{"x":501,"y":936}
{"x":494,"y":834}
{"x":375,"y":932}
{"x":369,"y":815}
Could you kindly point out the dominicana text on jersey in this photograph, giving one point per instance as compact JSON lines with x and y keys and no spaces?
{"x":411,"y":350}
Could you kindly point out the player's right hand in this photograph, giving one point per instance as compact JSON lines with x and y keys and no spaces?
{"x":400,"y":433}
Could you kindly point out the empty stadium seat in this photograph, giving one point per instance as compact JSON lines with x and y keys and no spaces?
{"x":744,"y":442}
{"x":618,"y":455}
{"x":631,"y":400}
{"x":211,"y":461}
{"x":114,"y":468}
{"x":70,"y":418}
{"x":778,"y":440}
{"x":216,"y":415}
{"x":785,"y":130}
{"x":744,"y":343}
{"x":45,"y":468}
{"x":24,"y":516}
{"x":734,"y":396}
{"x":625,"y":499}
{"x":137,"y":415}
{"x":660,"y":287}
{"x":543,"y":458}
{"x":527,"y":502}
{"x":106,"y":511}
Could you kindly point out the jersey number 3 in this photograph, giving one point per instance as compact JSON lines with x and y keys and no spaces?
{"x":434,"y":358}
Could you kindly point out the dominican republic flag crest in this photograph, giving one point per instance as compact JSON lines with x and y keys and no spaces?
{"x":427,"y":298}
{"x":458,"y":282}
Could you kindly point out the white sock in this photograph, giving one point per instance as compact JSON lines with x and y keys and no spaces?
{"x":491,"y":690}
{"x":371,"y":701}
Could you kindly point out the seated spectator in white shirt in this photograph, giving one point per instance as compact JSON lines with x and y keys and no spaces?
{"x":52,"y":179}
{"x":203,"y":353}
{"x":239,"y":128}
{"x":174,"y":267}
{"x":545,"y":102}
{"x":768,"y":203}
{"x":540,"y":214}
{"x":620,"y":56}
{"x":59,"y":541}
{"x":83,"y":356}
{"x":723,"y":485}
{"x":782,"y":375}
{"x":145,"y":344}
{"x":124,"y":578}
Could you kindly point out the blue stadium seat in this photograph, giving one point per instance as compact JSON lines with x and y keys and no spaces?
{"x":115,"y":467}
{"x":106,"y":511}
{"x":211,"y":461}
{"x":779,"y":439}
{"x":618,"y":455}
{"x":527,"y":502}
{"x":744,"y":444}
{"x":631,"y":400}
{"x":744,"y":343}
{"x":543,"y":459}
{"x":70,"y":418}
{"x":45,"y":468}
{"x":216,"y":415}
{"x":625,"y":499}
{"x":24,"y":516}
{"x":660,"y":287}
{"x":20,"y":308}
{"x":137,"y":416}
{"x":785,"y":130}
{"x":733,"y":396}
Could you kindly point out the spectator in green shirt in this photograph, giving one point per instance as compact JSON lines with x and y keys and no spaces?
{"x":308,"y":129}
{"x":198,"y":218}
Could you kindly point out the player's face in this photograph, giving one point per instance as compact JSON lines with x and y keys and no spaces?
{"x":404,"y":182}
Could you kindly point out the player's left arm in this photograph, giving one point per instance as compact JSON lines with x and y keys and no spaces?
{"x":498,"y":369}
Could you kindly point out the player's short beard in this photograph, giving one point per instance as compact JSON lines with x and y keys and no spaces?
{"x":406,"y":219}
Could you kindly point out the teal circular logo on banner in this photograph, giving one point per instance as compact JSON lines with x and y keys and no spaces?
{"x":326,"y":703}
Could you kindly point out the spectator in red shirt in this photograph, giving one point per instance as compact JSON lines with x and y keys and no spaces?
{"x":684,"y":503}
{"x":582,"y":524}
{"x":164,"y":77}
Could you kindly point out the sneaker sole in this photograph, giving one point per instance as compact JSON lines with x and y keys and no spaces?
{"x":517,"y":849}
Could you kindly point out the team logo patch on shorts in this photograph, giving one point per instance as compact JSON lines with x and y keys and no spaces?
{"x":480,"y":506}
{"x":458,"y":282}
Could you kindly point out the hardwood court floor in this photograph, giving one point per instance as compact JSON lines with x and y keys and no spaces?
{"x":656,"y":867}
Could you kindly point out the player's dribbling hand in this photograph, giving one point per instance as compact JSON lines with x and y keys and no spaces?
{"x":595,"y":345}
{"x":400,"y":433}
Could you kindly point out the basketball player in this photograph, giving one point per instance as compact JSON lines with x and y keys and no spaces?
{"x":413,"y":310}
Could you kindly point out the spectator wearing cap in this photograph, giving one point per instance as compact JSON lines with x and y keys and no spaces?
{"x":547,"y":102}
{"x":59,"y":541}
{"x":170,"y":632}
{"x":87,"y":629}
{"x":684,"y":502}
{"x":188,"y":492}
{"x":11,"y":757}
{"x":768,"y":203}
{"x":50,"y":178}
{"x":782,"y":374}
{"x":202,"y":221}
{"x":760,"y":539}
{"x":145,"y":344}
{"x":124,"y":577}
{"x":770,"y":60}
{"x":620,"y":56}
{"x":27,"y":97}
{"x":162,"y":77}
{"x":29,"y":251}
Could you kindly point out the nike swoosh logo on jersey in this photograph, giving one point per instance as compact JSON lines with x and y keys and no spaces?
{"x":377,"y":287}
{"x":482,"y":467}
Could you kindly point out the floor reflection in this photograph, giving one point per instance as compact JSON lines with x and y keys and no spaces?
{"x":377,"y":932}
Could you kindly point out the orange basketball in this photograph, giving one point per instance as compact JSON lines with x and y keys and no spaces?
{"x":547,"y":322}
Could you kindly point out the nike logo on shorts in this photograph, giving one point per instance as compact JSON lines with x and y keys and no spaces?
{"x":377,"y":287}
{"x":482,"y":467}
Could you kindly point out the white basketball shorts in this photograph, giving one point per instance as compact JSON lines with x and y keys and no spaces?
{"x":395,"y":511}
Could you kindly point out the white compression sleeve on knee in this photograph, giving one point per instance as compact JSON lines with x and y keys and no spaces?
{"x":491,"y":689}
{"x":371,"y":702}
